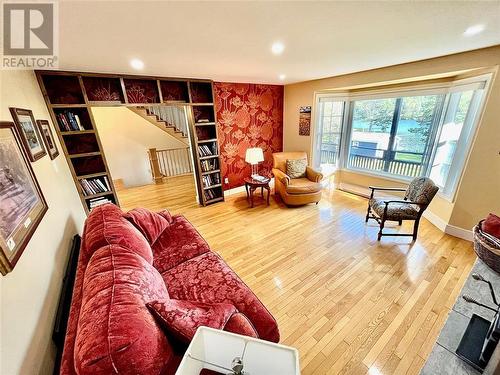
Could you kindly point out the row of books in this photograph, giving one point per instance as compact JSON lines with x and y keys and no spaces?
{"x":211,"y":194}
{"x":208,"y":165}
{"x":68,"y":121}
{"x":96,"y":202}
{"x":204,"y":150}
{"x":211,"y":179}
{"x":93,"y":186}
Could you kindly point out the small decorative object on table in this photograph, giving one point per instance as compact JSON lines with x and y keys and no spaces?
{"x":223,"y":352}
{"x":253,"y":183}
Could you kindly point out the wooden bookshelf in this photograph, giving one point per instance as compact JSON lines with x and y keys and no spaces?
{"x":71,"y":95}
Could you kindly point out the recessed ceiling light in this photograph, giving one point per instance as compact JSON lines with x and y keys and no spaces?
{"x":282,"y":77}
{"x":473,"y":30}
{"x":277,"y":48}
{"x":137,"y":64}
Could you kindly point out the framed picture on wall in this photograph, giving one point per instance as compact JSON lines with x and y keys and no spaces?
{"x":28,"y":131}
{"x":22,"y":205}
{"x":305,"y":120}
{"x":48,"y":138}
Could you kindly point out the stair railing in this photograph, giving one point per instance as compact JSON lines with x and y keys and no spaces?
{"x":169,"y":163}
{"x":172,"y":115}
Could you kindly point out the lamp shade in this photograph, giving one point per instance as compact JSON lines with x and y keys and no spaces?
{"x":254,"y":155}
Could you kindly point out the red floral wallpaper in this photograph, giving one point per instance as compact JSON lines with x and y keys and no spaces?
{"x":248,"y":115}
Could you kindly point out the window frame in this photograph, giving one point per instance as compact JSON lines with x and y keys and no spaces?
{"x":464,"y":148}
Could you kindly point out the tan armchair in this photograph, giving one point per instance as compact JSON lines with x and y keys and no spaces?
{"x":295,"y":191}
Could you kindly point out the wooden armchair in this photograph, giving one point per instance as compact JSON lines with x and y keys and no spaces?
{"x":417,"y":198}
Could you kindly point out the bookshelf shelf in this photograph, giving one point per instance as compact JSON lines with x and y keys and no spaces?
{"x":208,"y":140}
{"x":92,"y":175}
{"x":215,"y":200}
{"x":98,"y":195}
{"x":210,"y":172}
{"x":76,"y":132}
{"x":212,"y":186}
{"x":85,"y":154}
{"x":204,"y":123}
{"x":208,"y":157}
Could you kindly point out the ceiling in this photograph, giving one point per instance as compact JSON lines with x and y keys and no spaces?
{"x":231,"y":41}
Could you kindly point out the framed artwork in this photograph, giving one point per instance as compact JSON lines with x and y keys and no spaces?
{"x":305,"y":120}
{"x":28,"y":131}
{"x":48,"y":138}
{"x":22,"y":205}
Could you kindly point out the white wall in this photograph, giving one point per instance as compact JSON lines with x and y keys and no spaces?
{"x":29,"y":294}
{"x":125,"y":138}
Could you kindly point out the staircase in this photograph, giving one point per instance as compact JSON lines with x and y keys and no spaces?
{"x":170,"y":119}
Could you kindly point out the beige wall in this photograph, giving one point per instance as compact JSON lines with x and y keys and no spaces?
{"x":29,"y":294}
{"x":125,"y":138}
{"x":478,"y":192}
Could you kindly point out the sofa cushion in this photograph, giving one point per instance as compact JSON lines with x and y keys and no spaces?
{"x":150,"y":224}
{"x":239,"y":323}
{"x":491,"y":225}
{"x":116,"y":333}
{"x":302,"y":186}
{"x":182,"y":318}
{"x":178,"y":243}
{"x":296,"y":168}
{"x":107,"y":226}
{"x":208,"y":279}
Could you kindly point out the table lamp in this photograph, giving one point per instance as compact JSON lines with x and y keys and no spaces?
{"x":254,"y":156}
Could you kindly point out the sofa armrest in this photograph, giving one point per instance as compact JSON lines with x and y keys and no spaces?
{"x":313,"y":175}
{"x":280,"y":175}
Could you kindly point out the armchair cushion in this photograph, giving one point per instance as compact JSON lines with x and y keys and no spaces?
{"x":313,"y":175}
{"x":182,"y":318}
{"x":395,"y":211}
{"x":302,"y":186}
{"x":296,"y":168}
{"x":421,"y":190}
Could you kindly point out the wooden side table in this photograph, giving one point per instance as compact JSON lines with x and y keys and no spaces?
{"x":251,"y":185}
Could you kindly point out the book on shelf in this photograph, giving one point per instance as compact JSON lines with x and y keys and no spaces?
{"x":68,"y":121}
{"x":96,"y":202}
{"x":211,"y":194}
{"x":91,"y":186}
{"x":208,"y":165}
{"x":211,"y":179}
{"x":203,"y":121}
{"x":204,"y":150}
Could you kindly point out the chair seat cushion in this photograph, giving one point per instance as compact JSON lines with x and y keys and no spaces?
{"x":182,"y":318}
{"x":302,"y":186}
{"x":208,"y":279}
{"x":395,"y":211}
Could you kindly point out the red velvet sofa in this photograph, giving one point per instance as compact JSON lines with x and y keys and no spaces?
{"x":129,"y":260}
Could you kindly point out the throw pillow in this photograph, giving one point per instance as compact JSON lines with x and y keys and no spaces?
{"x":296,"y":168}
{"x":182,"y":318}
{"x":150,"y":224}
{"x":492,"y":225}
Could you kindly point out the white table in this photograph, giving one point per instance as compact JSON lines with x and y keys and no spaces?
{"x":215,"y":350}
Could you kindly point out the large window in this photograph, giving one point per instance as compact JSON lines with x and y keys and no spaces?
{"x":400,"y":135}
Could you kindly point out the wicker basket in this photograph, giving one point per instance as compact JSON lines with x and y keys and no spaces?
{"x":486,"y":248}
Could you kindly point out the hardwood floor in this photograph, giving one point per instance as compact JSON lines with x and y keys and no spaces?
{"x":349,"y":304}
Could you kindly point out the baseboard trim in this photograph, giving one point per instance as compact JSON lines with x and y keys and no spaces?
{"x":439,"y":223}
